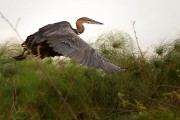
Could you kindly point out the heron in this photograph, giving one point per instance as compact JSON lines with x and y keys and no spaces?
{"x":60,"y":39}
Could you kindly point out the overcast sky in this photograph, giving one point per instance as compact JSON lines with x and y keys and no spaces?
{"x":156,"y":20}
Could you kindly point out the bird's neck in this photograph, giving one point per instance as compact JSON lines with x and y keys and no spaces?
{"x":79,"y":26}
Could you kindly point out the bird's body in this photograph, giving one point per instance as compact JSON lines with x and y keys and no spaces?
{"x":60,"y":39}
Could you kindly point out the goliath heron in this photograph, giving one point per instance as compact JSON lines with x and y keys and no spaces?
{"x":60,"y":39}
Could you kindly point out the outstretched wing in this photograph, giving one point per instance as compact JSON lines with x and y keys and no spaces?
{"x":63,"y":40}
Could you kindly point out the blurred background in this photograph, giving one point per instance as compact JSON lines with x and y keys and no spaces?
{"x":155,"y":20}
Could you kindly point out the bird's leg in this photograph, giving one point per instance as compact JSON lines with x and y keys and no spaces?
{"x":22,"y":56}
{"x":38,"y":48}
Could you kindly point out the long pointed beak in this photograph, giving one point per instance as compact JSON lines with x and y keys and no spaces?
{"x":96,"y":22}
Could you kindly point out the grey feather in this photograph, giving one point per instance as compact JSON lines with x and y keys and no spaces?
{"x":63,"y":40}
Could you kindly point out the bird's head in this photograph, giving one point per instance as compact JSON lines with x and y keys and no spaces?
{"x":89,"y":21}
{"x":80,"y":21}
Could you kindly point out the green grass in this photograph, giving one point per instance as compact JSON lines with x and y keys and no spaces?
{"x":60,"y":89}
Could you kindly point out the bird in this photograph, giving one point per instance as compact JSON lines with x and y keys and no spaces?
{"x":60,"y":39}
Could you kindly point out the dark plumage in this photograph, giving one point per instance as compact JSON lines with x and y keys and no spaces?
{"x":60,"y":39}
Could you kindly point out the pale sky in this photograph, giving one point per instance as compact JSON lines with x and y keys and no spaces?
{"x":156,"y":20}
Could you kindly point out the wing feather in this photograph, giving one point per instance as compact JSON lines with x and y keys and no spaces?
{"x":63,"y":40}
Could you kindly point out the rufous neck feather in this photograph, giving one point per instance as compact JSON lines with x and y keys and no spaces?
{"x":79,"y":26}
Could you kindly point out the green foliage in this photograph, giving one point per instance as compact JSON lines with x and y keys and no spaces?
{"x":157,"y":115}
{"x":58,"y":88}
